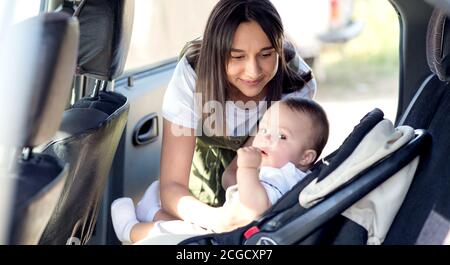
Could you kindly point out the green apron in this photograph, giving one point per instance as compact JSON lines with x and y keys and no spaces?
{"x":211,"y":156}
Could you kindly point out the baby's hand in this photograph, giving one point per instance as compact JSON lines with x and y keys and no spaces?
{"x":249,"y":157}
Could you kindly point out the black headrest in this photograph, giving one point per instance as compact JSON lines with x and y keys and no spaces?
{"x":438,"y":45}
{"x":40,"y":54}
{"x":366,"y":124}
{"x":105,"y":34}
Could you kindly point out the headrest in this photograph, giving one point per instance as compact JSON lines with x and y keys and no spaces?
{"x":105,"y":35}
{"x":41,"y":56}
{"x":366,"y":124}
{"x":438,"y":45}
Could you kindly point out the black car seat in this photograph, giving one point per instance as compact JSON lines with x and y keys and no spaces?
{"x":424,"y":217}
{"x":47,"y":62}
{"x":92,"y":127}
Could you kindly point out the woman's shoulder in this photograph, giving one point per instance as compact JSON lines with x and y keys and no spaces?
{"x":184,"y":74}
{"x":299,"y":80}
{"x":307,"y":91}
{"x":181,"y":87}
{"x":185,"y":65}
{"x":178,"y":101}
{"x":191,"y":52}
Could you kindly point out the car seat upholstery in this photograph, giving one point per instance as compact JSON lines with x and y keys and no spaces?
{"x":91,"y":128}
{"x":49,"y":67}
{"x":424,"y":217}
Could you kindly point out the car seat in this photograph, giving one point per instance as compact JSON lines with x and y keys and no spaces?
{"x":47,"y":65}
{"x":92,"y":127}
{"x":373,"y":167}
{"x":329,"y":220}
{"x":424,"y":217}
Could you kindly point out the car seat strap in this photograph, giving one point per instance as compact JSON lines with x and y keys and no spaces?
{"x":413,"y":101}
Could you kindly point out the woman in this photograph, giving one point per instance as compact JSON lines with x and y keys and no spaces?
{"x":242,"y":58}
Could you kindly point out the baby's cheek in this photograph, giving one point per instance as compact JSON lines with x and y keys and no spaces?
{"x":281,"y":159}
{"x":285,"y":157}
{"x":257,"y":141}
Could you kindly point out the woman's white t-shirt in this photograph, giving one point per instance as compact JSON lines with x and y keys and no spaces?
{"x":180,"y":104}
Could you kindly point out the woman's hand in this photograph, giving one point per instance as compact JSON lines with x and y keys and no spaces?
{"x":249,"y":157}
{"x":229,"y":218}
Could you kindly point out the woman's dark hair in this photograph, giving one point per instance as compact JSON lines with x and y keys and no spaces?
{"x":318,"y":118}
{"x":212,"y":53}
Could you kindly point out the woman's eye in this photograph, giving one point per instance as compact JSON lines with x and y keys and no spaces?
{"x":267,"y":54}
{"x":237,"y":57}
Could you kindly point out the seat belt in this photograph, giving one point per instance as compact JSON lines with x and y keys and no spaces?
{"x":413,"y":101}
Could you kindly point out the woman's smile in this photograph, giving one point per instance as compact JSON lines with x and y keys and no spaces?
{"x":252,"y":83}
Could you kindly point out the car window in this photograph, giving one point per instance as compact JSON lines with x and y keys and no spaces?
{"x":361,"y":74}
{"x":162,"y":27}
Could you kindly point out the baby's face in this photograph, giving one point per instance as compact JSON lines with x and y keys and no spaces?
{"x":283,"y":136}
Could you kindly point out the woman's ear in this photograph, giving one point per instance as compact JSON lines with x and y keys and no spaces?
{"x":307,"y":158}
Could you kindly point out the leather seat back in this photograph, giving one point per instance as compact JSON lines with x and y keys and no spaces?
{"x":48,"y":60}
{"x":91,"y":129}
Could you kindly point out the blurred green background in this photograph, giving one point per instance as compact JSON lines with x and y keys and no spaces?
{"x":367,"y":66}
{"x":362,"y":74}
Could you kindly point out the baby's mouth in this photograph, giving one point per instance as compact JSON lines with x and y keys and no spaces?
{"x":263,"y":152}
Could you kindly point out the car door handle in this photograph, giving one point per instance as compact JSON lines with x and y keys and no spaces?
{"x":146,"y":130}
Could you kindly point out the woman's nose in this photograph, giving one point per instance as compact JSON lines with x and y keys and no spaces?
{"x":252,"y":69}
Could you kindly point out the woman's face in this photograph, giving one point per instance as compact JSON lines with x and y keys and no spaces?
{"x":253,"y":63}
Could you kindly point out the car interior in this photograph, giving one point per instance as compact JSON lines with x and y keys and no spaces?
{"x":86,"y":130}
{"x":40,"y":177}
{"x":91,"y":128}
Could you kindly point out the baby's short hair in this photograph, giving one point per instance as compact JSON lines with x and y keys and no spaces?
{"x":318,"y":117}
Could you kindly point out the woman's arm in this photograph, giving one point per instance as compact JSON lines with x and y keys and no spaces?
{"x":176,"y":160}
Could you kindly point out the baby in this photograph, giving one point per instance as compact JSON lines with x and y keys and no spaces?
{"x":290,"y":138}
